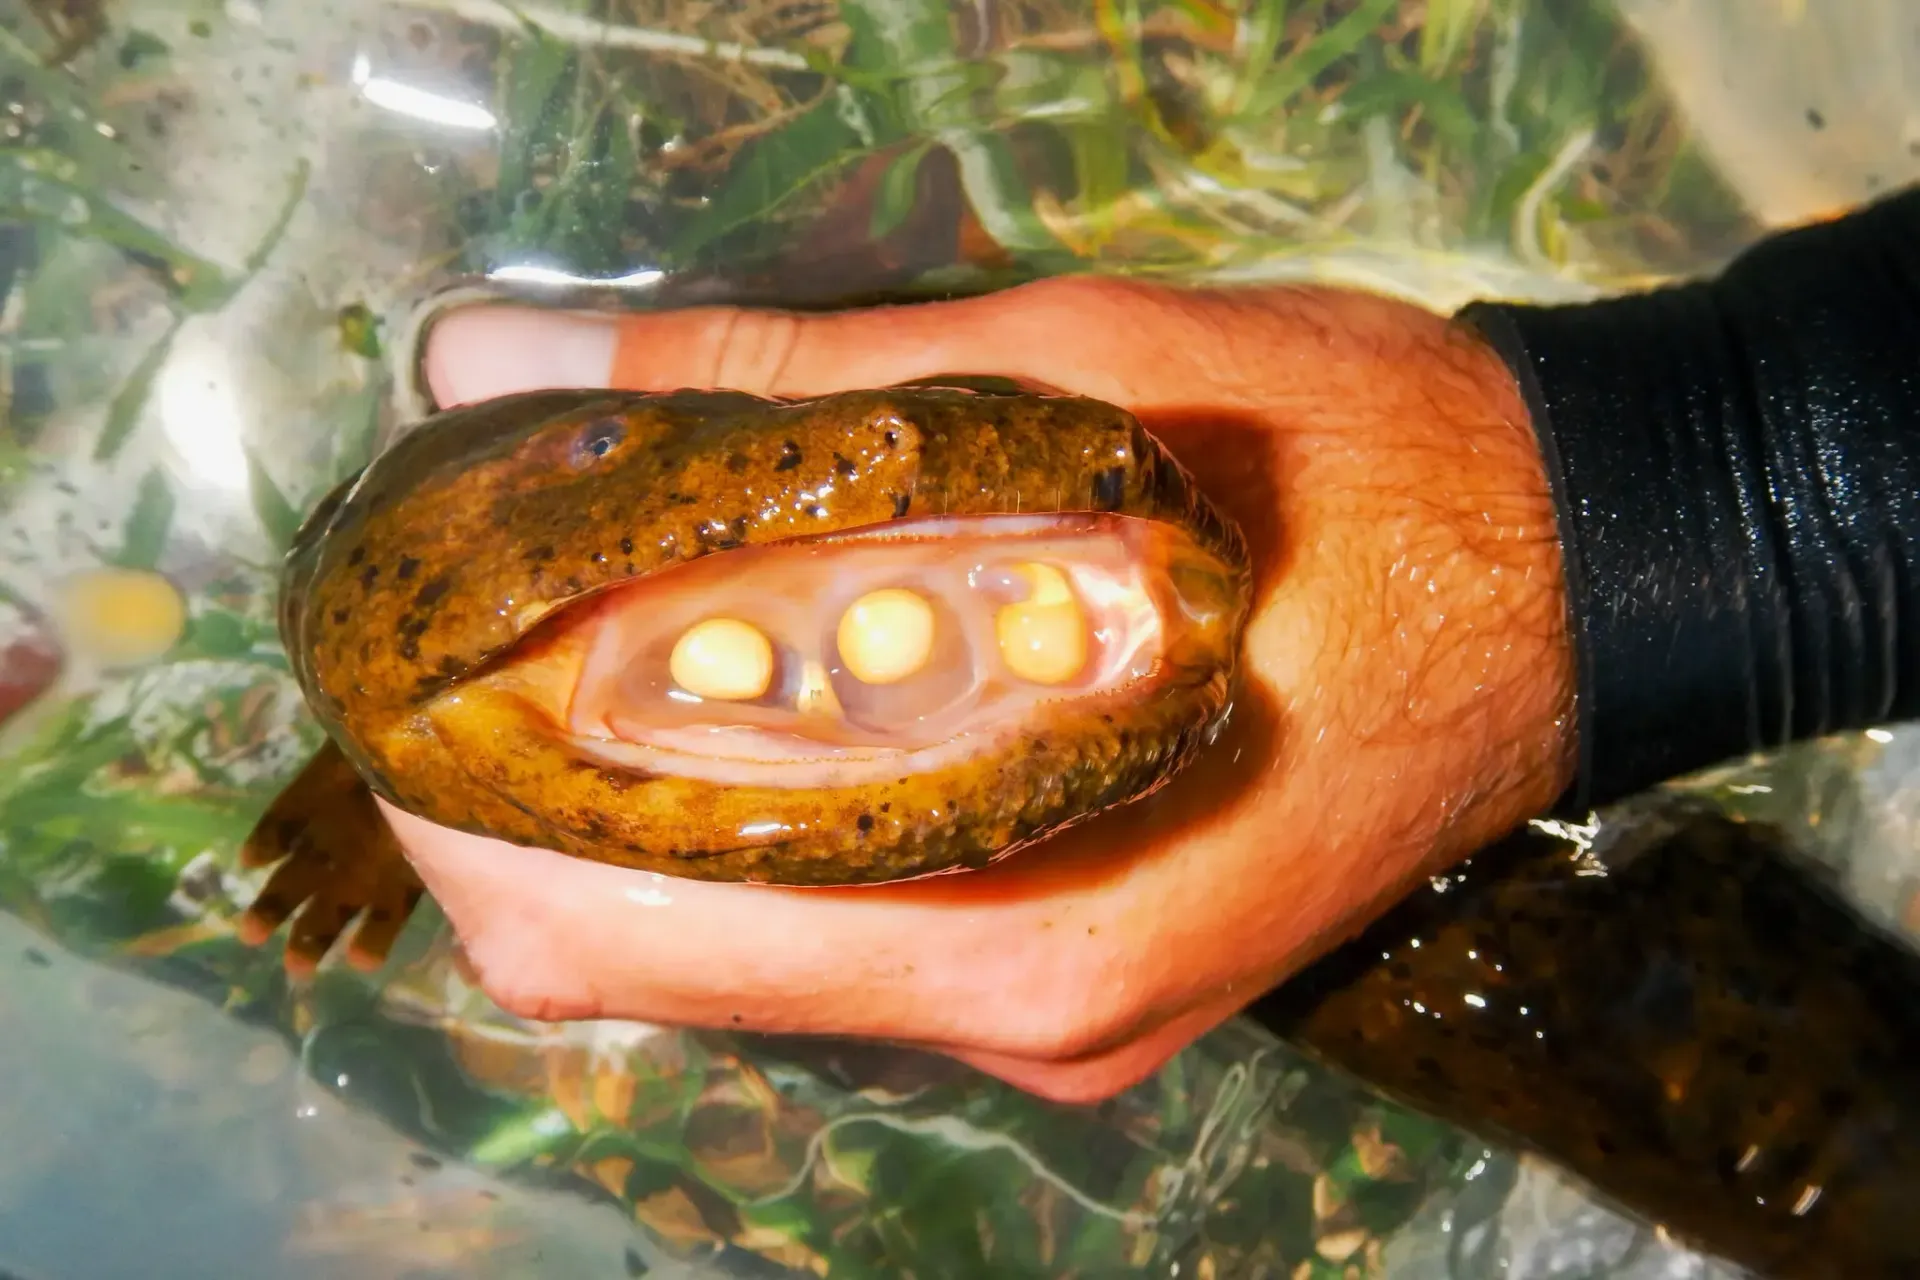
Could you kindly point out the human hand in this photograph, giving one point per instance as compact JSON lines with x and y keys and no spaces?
{"x":1407,"y":689}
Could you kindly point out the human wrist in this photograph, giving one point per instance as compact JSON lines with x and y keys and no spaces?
{"x":1738,"y":488}
{"x":1511,"y":593}
{"x":1428,"y":611}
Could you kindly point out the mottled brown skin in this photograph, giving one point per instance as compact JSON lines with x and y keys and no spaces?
{"x":1706,"y":997}
{"x":464,"y":542}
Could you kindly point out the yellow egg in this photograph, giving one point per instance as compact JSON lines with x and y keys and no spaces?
{"x":1044,"y":637}
{"x":724,"y":659}
{"x":121,"y":617}
{"x":886,"y":636}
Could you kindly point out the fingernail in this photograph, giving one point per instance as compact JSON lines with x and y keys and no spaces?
{"x":489,"y":351}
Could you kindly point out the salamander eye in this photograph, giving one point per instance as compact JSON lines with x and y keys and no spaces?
{"x":598,"y":439}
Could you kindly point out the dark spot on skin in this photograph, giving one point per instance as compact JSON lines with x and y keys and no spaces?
{"x":408,"y":567}
{"x":887,"y":807}
{"x":790,"y":457}
{"x":626,"y":546}
{"x":738,"y":1018}
{"x":37,"y":958}
{"x":1110,"y":488}
{"x":892,"y":438}
{"x":339,"y":616}
{"x":540,"y":554}
{"x":842,"y":466}
{"x":864,"y":822}
{"x":410,"y":649}
{"x":900,"y":505}
{"x":1815,"y":119}
{"x":421,"y":1160}
{"x":599,"y":557}
{"x":368,"y":576}
{"x":356,"y":556}
{"x":682,"y":499}
{"x":415,"y":627}
{"x":431,"y":593}
{"x":738,"y":462}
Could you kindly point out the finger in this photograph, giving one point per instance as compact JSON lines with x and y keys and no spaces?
{"x":1029,"y":971}
{"x":1083,"y":335}
{"x":478,"y":353}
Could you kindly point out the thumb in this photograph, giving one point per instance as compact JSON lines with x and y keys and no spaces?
{"x":1069,"y":333}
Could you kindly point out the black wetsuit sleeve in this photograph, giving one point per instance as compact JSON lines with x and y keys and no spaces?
{"x":1736,"y":469}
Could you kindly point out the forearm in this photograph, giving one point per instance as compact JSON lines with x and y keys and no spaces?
{"x":1736,"y":467}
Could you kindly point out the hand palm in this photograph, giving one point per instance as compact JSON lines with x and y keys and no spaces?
{"x":1406,"y":696}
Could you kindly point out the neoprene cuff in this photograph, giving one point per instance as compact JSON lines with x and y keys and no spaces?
{"x":1736,"y":470}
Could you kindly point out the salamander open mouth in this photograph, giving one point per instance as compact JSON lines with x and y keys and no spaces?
{"x":879,"y":652}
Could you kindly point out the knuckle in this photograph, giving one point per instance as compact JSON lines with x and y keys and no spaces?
{"x":1088,"y":304}
{"x":752,"y":349}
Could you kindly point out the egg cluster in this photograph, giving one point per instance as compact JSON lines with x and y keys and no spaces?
{"x":889,"y":635}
